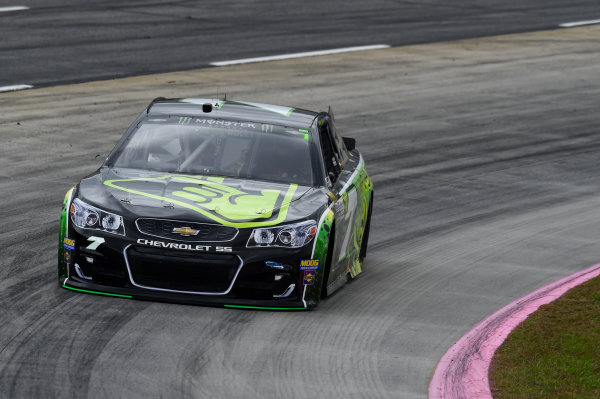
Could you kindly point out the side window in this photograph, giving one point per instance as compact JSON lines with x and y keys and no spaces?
{"x":330,"y":153}
{"x":339,"y":143}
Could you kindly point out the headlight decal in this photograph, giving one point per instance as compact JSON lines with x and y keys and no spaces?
{"x":89,"y":217}
{"x":287,"y":236}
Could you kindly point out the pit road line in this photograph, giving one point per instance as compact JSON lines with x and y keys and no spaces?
{"x":299,"y":55}
{"x":579,"y":23}
{"x":13,"y":8}
{"x":14,"y":88}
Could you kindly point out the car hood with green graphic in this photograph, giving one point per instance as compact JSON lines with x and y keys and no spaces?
{"x":224,"y":200}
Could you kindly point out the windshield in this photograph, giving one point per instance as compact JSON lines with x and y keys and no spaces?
{"x":207,"y":146}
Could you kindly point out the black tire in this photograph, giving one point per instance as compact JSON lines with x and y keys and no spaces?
{"x":365,"y":239}
{"x":327,"y":264}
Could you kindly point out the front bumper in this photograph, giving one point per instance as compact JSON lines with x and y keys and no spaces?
{"x":123,"y":267}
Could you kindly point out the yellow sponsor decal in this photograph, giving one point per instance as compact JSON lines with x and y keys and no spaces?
{"x":309,"y":278}
{"x":310,"y":264}
{"x":68,"y":243}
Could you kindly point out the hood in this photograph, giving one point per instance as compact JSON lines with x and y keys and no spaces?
{"x":224,"y":200}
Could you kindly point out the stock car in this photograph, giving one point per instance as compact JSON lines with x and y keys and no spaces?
{"x":220,"y":203}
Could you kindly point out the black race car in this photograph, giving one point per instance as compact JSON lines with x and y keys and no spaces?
{"x":224,"y":203}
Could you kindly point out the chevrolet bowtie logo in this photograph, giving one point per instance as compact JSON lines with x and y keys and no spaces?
{"x":185,"y":231}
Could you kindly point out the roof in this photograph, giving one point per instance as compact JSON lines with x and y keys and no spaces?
{"x":234,"y":110}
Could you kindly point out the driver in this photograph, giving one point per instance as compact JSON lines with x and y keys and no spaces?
{"x":284,"y":164}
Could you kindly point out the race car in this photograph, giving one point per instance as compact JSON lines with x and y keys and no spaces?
{"x":220,"y":203}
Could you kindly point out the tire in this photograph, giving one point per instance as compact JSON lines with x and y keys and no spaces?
{"x":327,"y":264}
{"x":365,"y":239}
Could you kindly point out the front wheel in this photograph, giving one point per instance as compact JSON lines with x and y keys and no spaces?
{"x":365,"y":239}
{"x":327,"y":265}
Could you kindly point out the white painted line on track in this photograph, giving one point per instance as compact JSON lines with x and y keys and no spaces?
{"x":14,"y":88}
{"x":579,"y":23}
{"x":299,"y":55}
{"x":13,"y":8}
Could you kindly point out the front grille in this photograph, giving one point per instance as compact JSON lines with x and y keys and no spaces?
{"x":206,"y":232}
{"x":182,"y":271}
{"x":104,"y":265}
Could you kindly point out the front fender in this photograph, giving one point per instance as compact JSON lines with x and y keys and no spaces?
{"x":64,"y":227}
{"x":312,"y":293}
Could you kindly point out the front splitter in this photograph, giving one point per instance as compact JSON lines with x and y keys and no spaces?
{"x":188,"y":299}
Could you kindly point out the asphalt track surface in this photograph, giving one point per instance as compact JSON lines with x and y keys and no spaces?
{"x":65,"y":41}
{"x":484,"y":155}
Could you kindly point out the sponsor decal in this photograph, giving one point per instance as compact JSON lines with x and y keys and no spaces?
{"x":181,"y":246}
{"x":95,"y":242}
{"x":267,"y":128}
{"x":309,"y":277}
{"x":185,"y":231}
{"x":67,"y":256}
{"x":309,"y":264}
{"x":225,"y":124}
{"x":68,"y":243}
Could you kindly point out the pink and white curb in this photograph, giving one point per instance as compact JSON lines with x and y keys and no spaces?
{"x":463,"y":370}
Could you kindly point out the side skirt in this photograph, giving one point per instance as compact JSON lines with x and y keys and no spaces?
{"x":336,"y":284}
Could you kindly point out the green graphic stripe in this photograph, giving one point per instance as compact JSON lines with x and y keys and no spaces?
{"x":64,"y":221}
{"x":280,"y":217}
{"x":96,"y":292}
{"x":260,"y":307}
{"x":278,"y":109}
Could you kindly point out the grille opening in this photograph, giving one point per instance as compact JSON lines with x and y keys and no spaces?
{"x":182,"y":271}
{"x":107,"y":268}
{"x":205,"y":231}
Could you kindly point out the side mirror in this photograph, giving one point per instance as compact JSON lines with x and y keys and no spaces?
{"x":331,"y":177}
{"x":350,"y":143}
